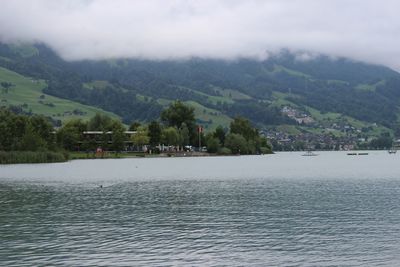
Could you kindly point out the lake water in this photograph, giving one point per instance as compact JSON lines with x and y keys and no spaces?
{"x":270,"y":210}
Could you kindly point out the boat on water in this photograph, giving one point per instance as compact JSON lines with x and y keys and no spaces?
{"x":309,"y":153}
{"x":357,"y":154}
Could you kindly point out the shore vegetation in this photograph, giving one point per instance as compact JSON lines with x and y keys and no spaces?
{"x":32,"y":139}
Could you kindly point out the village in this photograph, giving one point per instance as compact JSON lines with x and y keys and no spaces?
{"x":329,"y":135}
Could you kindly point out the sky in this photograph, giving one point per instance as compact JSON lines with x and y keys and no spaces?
{"x":364,"y":30}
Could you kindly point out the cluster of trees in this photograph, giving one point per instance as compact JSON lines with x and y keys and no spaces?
{"x":71,"y":135}
{"x":177,"y":128}
{"x":5,"y":86}
{"x":27,"y":139}
{"x":242,"y":138}
{"x":385,"y":141}
{"x":25,"y":133}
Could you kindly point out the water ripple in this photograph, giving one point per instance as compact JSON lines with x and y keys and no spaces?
{"x":201,"y":223}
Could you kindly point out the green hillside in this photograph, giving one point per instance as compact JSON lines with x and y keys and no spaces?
{"x":334,"y":96}
{"x":323,"y":119}
{"x":27,"y":93}
{"x":209,"y":118}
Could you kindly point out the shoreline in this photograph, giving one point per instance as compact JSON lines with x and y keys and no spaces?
{"x":46,"y":157}
{"x":32,"y":157}
{"x":112,"y":155}
{"x":26,"y":157}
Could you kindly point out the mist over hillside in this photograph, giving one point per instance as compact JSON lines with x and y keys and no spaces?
{"x":220,"y":89}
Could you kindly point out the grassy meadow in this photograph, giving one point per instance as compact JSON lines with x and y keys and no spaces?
{"x":27,"y":93}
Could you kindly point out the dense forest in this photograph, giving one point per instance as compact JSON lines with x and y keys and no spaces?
{"x":135,"y":89}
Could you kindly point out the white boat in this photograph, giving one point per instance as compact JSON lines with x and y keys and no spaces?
{"x":309,"y":153}
{"x":357,"y":154}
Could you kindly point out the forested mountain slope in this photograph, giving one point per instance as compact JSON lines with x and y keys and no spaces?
{"x":139,"y":89}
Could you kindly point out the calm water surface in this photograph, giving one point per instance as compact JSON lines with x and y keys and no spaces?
{"x":275,"y":210}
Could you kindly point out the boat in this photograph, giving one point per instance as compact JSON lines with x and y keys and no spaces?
{"x":357,"y":154}
{"x":309,"y":153}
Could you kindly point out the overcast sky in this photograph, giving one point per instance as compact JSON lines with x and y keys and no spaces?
{"x":367,"y":30}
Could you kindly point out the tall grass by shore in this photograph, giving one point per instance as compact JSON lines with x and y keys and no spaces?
{"x":14,"y":157}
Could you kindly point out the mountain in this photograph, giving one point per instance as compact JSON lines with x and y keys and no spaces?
{"x":283,"y":90}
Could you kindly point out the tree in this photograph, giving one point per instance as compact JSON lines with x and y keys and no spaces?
{"x":220,"y":134}
{"x":263,"y":146}
{"x":382,"y":142}
{"x":213,"y":145}
{"x":100,"y":122}
{"x":243,"y":127}
{"x":44,"y":129}
{"x":134,"y":126}
{"x":118,"y":136}
{"x":71,"y":134}
{"x":170,"y":136}
{"x":6,"y":86}
{"x":177,"y":114}
{"x":105,"y":139}
{"x":154,"y":133}
{"x":67,"y":138}
{"x":20,"y":132}
{"x":31,"y":140}
{"x":12,"y":127}
{"x":236,"y":143}
{"x":299,"y":145}
{"x":184,"y":135}
{"x":397,"y":131}
{"x":141,"y":137}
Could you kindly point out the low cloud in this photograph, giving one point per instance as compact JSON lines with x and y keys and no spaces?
{"x":366,"y":30}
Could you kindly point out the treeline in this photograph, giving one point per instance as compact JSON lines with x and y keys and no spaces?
{"x":176,"y":131}
{"x":241,"y":138}
{"x":32,"y":139}
{"x":15,"y":157}
{"x":27,"y":139}
{"x":385,"y":141}
{"x":25,"y":133}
